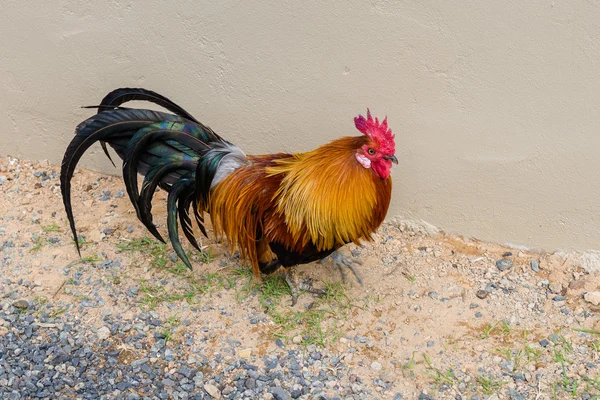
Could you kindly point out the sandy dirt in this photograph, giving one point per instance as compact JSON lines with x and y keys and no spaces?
{"x":435,"y":316}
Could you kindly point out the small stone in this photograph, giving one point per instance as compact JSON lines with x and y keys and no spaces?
{"x":559,"y":298}
{"x":592,"y":297}
{"x":554,"y":338}
{"x":297,"y":339}
{"x":507,"y":254}
{"x":103,"y":333}
{"x":535,"y":265}
{"x":376,"y":366}
{"x":212,"y":390}
{"x":478,"y":314}
{"x":482,"y":294}
{"x":544,"y":343}
{"x":280,"y":394}
{"x":504,"y":264}
{"x":555,"y":287}
{"x":507,"y":365}
{"x":245,"y":353}
{"x":21,"y":304}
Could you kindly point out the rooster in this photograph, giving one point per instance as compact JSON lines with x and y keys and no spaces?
{"x":277,"y":210}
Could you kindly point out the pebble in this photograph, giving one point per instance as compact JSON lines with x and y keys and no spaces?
{"x":21,"y":304}
{"x":482,"y":294}
{"x":103,"y":333}
{"x":245,"y":353}
{"x":376,"y":366}
{"x":535,"y":265}
{"x":592,"y":297}
{"x":504,"y":264}
{"x":212,"y":390}
{"x":280,"y":393}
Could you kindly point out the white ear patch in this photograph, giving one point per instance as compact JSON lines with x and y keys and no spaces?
{"x":364,"y":161}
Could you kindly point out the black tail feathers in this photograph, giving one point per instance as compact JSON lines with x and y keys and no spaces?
{"x":166,"y":148}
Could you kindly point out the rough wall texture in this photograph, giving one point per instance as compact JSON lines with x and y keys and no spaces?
{"x":495,"y":105}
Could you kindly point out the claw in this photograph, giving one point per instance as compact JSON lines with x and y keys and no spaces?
{"x":295,"y":285}
{"x":342,"y":262}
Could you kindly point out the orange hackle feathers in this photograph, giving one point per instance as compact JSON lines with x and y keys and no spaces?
{"x":322,"y":198}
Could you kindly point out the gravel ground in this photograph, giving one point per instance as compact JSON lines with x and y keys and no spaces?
{"x":438,"y":317}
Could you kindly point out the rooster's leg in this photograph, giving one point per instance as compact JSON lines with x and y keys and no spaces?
{"x":295,"y":285}
{"x":342,"y":262}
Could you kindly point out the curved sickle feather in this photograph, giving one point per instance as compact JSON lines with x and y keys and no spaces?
{"x":122,"y":95}
{"x":177,"y":189}
{"x":100,"y":127}
{"x":184,"y":217}
{"x":139,"y":142}
{"x":151,"y":181}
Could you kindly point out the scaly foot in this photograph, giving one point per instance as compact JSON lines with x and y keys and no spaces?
{"x":296,"y":286}
{"x":342,"y":262}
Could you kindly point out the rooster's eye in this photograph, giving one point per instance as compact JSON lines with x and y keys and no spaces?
{"x":371,"y":151}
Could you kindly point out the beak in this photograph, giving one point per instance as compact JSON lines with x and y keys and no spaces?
{"x":392,"y":159}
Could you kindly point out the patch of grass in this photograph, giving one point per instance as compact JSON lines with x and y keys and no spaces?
{"x":408,"y":368}
{"x":57,"y":312}
{"x":81,"y":240}
{"x":439,"y":376}
{"x":51,"y":228}
{"x":152,"y":295}
{"x":410,"y":278}
{"x":93,"y":258}
{"x":559,"y":355}
{"x":160,"y":254}
{"x":273,"y":288}
{"x":566,"y":384}
{"x":143,"y":245}
{"x":206,"y":256}
{"x":489,"y":386}
{"x":370,"y":299}
{"x":38,"y":243}
{"x":590,"y":331}
{"x":41,"y":299}
{"x":592,"y":384}
{"x":532,"y":353}
{"x":499,"y":328}
{"x":170,"y":325}
{"x":316,"y":325}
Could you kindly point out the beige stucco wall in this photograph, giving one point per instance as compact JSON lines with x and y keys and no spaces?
{"x":495,"y":104}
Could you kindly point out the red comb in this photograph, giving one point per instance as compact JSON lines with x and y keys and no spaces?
{"x":376,"y":131}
